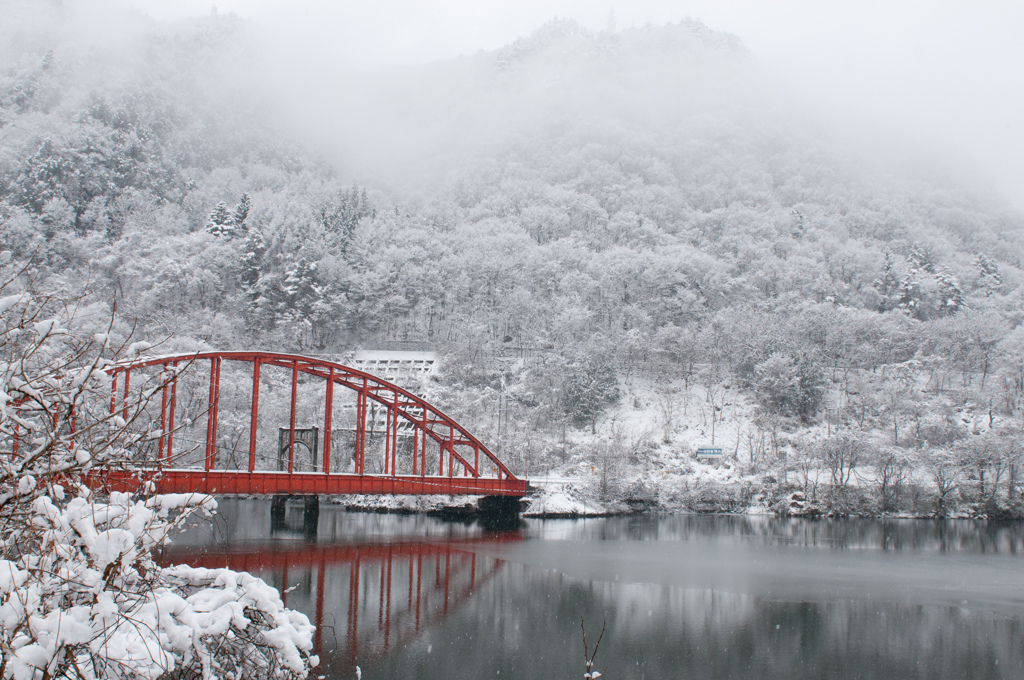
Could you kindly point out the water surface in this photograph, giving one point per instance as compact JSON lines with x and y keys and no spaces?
{"x":679,"y":597}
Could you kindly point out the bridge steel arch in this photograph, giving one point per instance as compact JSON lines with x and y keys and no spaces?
{"x":464,"y":464}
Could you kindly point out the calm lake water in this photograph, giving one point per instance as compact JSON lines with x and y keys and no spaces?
{"x":680,"y":597}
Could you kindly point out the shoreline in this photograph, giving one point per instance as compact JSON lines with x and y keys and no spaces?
{"x":465,"y":509}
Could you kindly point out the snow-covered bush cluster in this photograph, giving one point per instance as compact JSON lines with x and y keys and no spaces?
{"x":80,"y":593}
{"x":83,"y":598}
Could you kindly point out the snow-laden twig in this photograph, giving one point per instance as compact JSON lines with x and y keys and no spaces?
{"x":588,"y":657}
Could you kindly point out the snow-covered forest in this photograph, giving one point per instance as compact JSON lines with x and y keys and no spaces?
{"x":619,"y":243}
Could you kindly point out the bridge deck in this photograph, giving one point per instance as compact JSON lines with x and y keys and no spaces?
{"x":235,"y":482}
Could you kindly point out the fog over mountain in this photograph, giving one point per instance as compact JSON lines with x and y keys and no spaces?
{"x":626,"y":238}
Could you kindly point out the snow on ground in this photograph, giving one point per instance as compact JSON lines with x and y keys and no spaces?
{"x":386,"y":503}
{"x":558,"y":501}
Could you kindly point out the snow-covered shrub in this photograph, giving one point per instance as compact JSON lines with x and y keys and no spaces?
{"x":80,"y":594}
{"x":83,"y":598}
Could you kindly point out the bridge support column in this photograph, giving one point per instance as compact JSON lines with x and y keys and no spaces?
{"x":310,"y":513}
{"x":311,"y":516}
{"x":499,"y":512}
{"x":277,"y":507}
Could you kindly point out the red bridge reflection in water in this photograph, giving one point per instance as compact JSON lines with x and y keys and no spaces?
{"x":386,"y":593}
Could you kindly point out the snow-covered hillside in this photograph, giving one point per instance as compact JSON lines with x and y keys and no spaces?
{"x":614,"y":240}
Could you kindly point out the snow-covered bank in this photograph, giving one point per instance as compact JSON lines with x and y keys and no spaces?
{"x":718,"y":488}
{"x":951,"y":459}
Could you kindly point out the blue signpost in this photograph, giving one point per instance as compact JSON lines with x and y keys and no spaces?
{"x":709,"y":452}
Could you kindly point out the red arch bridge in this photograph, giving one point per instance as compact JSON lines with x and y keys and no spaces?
{"x":268,"y":423}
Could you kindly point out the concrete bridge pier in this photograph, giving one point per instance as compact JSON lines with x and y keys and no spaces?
{"x":310,"y":513}
{"x":311,"y":516}
{"x":278,"y":504}
{"x":499,"y":512}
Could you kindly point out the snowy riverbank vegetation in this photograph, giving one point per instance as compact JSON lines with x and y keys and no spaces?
{"x":622,"y":244}
{"x":80,"y":593}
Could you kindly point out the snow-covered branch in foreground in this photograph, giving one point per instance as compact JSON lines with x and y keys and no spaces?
{"x":81,"y":596}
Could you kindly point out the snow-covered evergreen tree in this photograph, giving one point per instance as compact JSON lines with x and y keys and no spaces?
{"x":241,"y":213}
{"x":990,"y":279}
{"x":220,"y":221}
{"x":889,"y":285}
{"x":951,"y":296}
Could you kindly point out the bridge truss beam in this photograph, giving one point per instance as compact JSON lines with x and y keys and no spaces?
{"x":464,"y":464}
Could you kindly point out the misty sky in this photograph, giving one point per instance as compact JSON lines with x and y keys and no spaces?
{"x":938,"y":75}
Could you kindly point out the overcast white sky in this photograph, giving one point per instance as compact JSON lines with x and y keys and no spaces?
{"x":938,"y":73}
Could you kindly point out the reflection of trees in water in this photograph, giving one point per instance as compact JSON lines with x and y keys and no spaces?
{"x":969,"y":536}
{"x":525,"y":624}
